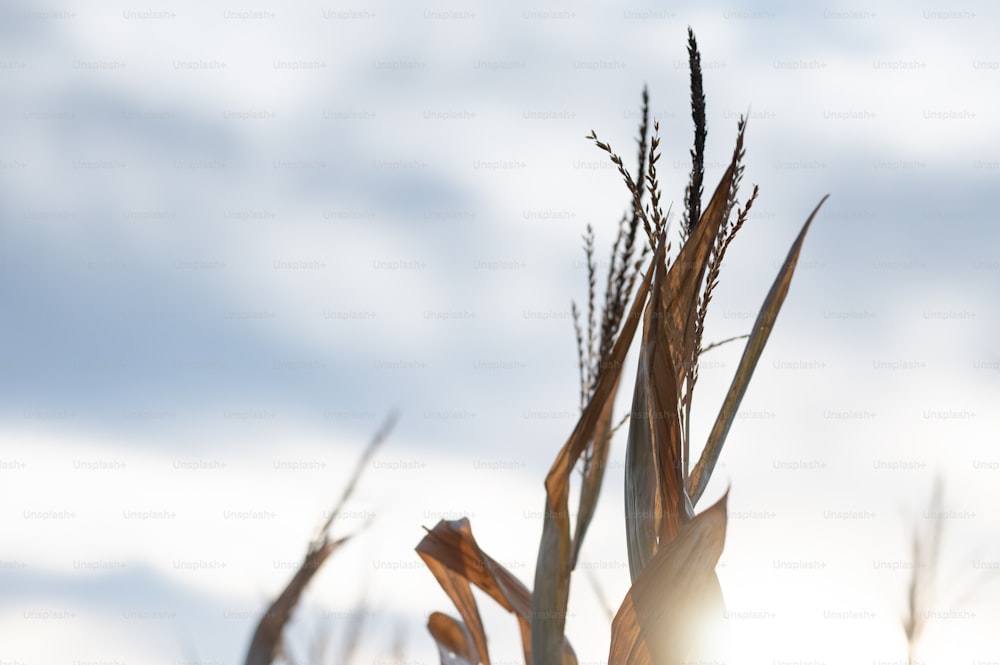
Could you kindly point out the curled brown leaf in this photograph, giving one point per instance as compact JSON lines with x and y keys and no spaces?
{"x":675,"y":605}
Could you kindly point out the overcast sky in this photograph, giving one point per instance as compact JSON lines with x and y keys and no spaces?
{"x":234,"y":237}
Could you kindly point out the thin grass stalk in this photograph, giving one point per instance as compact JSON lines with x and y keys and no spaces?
{"x":581,"y":356}
{"x":373,"y":445}
{"x":600,"y":594}
{"x":588,"y":247}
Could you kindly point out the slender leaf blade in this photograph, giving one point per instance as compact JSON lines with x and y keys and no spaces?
{"x":593,"y":475}
{"x":748,"y":362}
{"x":454,"y":641}
{"x":641,"y":515}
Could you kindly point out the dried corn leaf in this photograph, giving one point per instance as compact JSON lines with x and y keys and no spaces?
{"x":675,"y":606}
{"x":457,"y":587}
{"x":452,"y":554}
{"x":552,"y":570}
{"x":454,"y":641}
{"x":751,"y":354}
{"x":656,"y":504}
{"x":593,"y":474}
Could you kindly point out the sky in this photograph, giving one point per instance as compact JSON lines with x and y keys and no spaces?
{"x":233,"y":238}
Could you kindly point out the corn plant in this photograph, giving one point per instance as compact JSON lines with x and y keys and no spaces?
{"x":675,"y":597}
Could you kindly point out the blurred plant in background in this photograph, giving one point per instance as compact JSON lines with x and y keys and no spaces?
{"x":924,"y":597}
